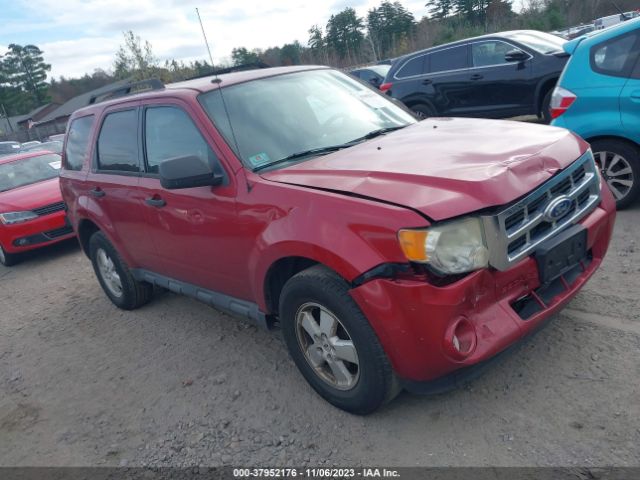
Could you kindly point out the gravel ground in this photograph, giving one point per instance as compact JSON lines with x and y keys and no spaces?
{"x":176,"y":383}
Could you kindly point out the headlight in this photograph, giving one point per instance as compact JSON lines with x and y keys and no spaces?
{"x":449,"y":248}
{"x":16,"y":217}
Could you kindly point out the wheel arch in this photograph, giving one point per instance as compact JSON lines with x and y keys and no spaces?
{"x":545,"y":86}
{"x":86,"y":228}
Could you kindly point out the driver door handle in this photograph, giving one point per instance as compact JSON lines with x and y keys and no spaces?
{"x":155,"y":202}
{"x":477,"y":76}
{"x":97,"y":192}
{"x":427,"y":81}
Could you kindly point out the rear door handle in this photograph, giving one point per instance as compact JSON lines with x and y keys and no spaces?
{"x":477,"y":76}
{"x":97,"y":192}
{"x":155,"y":202}
{"x":635,"y":95}
{"x":427,"y":81}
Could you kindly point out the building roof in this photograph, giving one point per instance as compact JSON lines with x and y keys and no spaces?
{"x":77,"y":102}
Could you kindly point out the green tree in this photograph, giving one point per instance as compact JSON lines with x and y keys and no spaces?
{"x":390,"y":26}
{"x":318,"y":44}
{"x":242,"y":56}
{"x":135,"y":59}
{"x":23,"y":74}
{"x":345,"y":34}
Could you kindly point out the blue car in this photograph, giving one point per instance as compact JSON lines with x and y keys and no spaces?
{"x":598,"y":97}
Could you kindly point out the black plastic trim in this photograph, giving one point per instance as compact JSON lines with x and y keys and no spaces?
{"x":385,"y":270}
{"x":218,"y":300}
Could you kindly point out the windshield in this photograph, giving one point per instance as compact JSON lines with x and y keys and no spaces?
{"x":539,"y":41}
{"x":278,"y":117}
{"x":26,"y":171}
{"x":8,"y":148}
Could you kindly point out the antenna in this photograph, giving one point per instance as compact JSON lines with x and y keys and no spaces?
{"x":624,"y":16}
{"x":206,"y":42}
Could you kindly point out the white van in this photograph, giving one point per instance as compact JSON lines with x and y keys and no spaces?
{"x":606,"y":22}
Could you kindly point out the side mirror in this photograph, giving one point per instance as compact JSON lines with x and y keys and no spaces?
{"x":516,"y":55}
{"x":187,"y":172}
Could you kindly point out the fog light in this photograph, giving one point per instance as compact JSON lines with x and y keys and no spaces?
{"x":460,"y":339}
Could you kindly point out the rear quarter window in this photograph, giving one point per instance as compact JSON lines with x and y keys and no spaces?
{"x":77,"y":142}
{"x":411,"y":68}
{"x":615,"y":57}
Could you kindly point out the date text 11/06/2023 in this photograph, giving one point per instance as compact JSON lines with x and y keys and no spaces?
{"x":315,"y":473}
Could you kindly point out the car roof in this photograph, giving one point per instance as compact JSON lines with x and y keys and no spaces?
{"x":200,"y":85}
{"x":23,"y":155}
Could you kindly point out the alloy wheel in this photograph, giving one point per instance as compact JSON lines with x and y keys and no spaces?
{"x":327,"y":346}
{"x":108,"y":273}
{"x":617,"y":173}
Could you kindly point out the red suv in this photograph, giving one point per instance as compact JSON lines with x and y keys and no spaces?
{"x":392,"y":254}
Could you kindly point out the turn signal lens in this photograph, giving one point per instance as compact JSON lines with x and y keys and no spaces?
{"x":413,"y":244}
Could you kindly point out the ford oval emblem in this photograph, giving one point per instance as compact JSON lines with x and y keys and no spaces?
{"x":558,"y":208}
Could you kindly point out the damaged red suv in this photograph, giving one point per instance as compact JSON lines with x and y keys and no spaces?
{"x":392,"y":254}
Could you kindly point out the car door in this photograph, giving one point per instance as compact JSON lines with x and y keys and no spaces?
{"x":112,"y":184}
{"x":194,"y":230}
{"x":629,"y":48}
{"x":447,"y":80}
{"x":497,"y":87}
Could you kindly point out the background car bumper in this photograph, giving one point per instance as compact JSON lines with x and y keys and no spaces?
{"x":415,"y":321}
{"x":35,"y":233}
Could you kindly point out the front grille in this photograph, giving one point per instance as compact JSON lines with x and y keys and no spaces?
{"x":48,"y":209}
{"x":515,"y":232}
{"x":58,"y":232}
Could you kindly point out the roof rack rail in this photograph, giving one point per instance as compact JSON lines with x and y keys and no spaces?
{"x":128,"y":89}
{"x":236,"y":68}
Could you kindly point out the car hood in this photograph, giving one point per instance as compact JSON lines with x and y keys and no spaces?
{"x":31,"y":196}
{"x":443,"y":167}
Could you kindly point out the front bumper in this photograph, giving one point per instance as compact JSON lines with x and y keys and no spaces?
{"x":36,"y":233}
{"x":413,"y":319}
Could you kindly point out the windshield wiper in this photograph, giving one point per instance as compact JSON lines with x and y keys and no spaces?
{"x":304,"y":153}
{"x":329,"y":149}
{"x":377,"y":133}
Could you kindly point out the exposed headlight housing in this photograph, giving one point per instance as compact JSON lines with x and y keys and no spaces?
{"x":449,"y":248}
{"x":16,"y":217}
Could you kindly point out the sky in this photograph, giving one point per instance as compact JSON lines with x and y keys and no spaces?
{"x":78,"y":36}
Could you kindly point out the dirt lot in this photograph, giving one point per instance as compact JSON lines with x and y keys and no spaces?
{"x":177,"y":383}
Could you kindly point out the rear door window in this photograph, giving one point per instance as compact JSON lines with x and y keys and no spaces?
{"x":77,"y":142}
{"x":455,"y":58}
{"x":615,"y":57}
{"x":412,"y":68}
{"x":118,"y":142}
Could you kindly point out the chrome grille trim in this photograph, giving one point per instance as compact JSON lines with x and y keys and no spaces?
{"x":511,"y":241}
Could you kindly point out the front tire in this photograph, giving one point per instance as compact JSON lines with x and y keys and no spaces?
{"x":8,"y":259}
{"x":619,"y":163}
{"x":333,"y":344}
{"x":114,"y":275}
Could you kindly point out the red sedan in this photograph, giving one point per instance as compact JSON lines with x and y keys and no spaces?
{"x":32,"y":213}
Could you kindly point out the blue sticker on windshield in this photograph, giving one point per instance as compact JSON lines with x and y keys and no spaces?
{"x":259,"y":159}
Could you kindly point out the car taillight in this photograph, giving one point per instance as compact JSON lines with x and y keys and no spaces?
{"x":385,"y":87}
{"x":561,"y":100}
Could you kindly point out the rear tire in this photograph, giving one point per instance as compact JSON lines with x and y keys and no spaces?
{"x":8,"y":259}
{"x":423,"y":111}
{"x":333,"y":344}
{"x":545,"y":109}
{"x":114,"y":275}
{"x":619,"y":163}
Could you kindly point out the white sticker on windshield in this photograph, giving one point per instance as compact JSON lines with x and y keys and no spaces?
{"x":372,"y":99}
{"x":55,"y":165}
